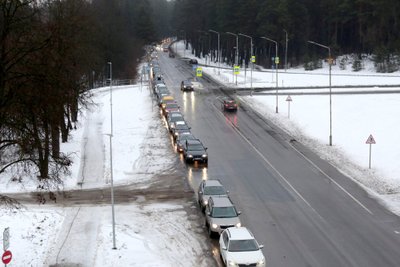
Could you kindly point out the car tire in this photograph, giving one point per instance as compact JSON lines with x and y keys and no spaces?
{"x":211,"y":234}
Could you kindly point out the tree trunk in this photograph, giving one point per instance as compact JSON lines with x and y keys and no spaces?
{"x":55,"y":141}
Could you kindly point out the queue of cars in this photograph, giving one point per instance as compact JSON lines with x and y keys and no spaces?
{"x":186,"y":143}
{"x":238,"y":246}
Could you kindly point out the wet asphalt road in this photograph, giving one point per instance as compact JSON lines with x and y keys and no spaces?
{"x":302,"y":209}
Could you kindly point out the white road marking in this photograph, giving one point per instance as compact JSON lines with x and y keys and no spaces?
{"x":277,"y":172}
{"x":333,"y":181}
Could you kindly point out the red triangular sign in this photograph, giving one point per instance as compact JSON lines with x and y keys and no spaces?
{"x":370,"y":140}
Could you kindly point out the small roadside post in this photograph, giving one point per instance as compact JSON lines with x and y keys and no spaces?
{"x":370,"y":141}
{"x":289,"y":99}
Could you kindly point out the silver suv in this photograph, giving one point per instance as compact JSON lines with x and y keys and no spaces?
{"x":209,"y":188}
{"x":221,"y":214}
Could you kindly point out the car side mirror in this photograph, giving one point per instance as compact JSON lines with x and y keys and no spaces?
{"x":239,"y":212}
{"x":190,"y":128}
{"x":227,"y":191}
{"x":223,"y":247}
{"x":209,"y":213}
{"x":261,"y":246}
{"x":205,"y":148}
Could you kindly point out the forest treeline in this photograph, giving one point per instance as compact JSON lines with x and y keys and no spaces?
{"x":51,"y":54}
{"x":346,"y":26}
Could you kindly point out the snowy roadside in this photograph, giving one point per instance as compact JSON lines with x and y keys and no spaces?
{"x":147,"y":233}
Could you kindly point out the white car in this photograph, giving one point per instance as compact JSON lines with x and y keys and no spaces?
{"x":238,"y":247}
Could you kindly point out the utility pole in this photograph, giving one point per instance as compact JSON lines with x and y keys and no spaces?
{"x":276,"y":68}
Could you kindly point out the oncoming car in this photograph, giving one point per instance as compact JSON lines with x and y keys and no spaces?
{"x":238,"y":247}
{"x":209,"y":188}
{"x":187,"y":85}
{"x":221,"y":214}
{"x":194,"y":151}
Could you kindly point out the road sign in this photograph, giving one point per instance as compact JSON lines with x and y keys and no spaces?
{"x":289,"y":98}
{"x":199,"y":72}
{"x":6,"y":238}
{"x":276,"y":60}
{"x":253,"y":59}
{"x":236,"y":70}
{"x":7,"y":256}
{"x":370,"y":140}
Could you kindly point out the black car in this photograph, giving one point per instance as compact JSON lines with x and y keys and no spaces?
{"x":229,"y":104}
{"x":173,"y":117}
{"x":194,"y":150}
{"x":181,"y":139}
{"x":179,"y":129}
{"x":193,"y":61}
{"x":187,"y":85}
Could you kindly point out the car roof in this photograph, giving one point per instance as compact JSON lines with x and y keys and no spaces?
{"x":194,"y":141}
{"x":222,"y":201}
{"x":239,"y":233}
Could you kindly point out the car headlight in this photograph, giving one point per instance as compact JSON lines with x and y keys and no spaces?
{"x":190,"y":156}
{"x":238,"y":224}
{"x":205,"y":201}
{"x":232,"y":263}
{"x":214,"y":225}
{"x":261,"y":262}
{"x":204,"y":155}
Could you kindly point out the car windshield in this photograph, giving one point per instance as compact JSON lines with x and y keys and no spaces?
{"x":196,"y":147}
{"x":243,"y":245}
{"x":214,"y":190}
{"x":223,"y":212}
{"x":172,"y":105}
{"x":186,"y":137}
{"x":181,"y":127}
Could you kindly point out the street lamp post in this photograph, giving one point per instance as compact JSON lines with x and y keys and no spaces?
{"x":111,"y":162}
{"x":276,"y":68}
{"x":219,"y":51}
{"x":286,"y":47}
{"x":237,"y":51}
{"x":184,"y":42}
{"x":252,"y":64}
{"x":330,"y":87}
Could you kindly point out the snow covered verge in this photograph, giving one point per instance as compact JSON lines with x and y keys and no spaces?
{"x":148,"y":232}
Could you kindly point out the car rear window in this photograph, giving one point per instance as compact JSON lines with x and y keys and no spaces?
{"x":243,"y":245}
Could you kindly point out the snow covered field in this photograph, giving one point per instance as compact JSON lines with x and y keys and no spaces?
{"x":146,"y":232}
